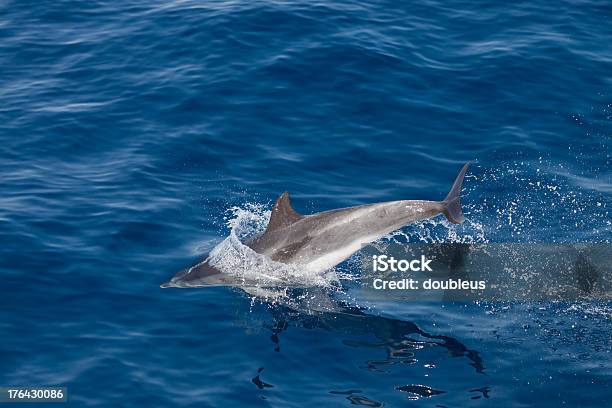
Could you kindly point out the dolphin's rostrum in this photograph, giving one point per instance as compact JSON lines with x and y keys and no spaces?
{"x":321,"y":241}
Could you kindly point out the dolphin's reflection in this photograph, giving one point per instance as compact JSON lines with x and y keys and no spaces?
{"x":400,"y":339}
{"x":403,"y":343}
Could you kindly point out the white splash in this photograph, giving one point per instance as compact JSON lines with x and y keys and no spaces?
{"x":234,"y":258}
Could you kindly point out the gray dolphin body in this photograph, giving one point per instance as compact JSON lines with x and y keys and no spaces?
{"x":321,"y":241}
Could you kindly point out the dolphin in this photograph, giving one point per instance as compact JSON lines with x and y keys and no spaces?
{"x":320,"y":241}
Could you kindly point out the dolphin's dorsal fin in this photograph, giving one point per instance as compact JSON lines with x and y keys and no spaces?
{"x":283,"y":214}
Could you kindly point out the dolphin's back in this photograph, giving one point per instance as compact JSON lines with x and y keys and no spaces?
{"x":321,"y":241}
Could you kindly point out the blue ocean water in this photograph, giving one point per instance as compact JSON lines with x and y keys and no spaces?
{"x":134,"y":134}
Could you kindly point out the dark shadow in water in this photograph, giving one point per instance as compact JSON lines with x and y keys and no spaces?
{"x":358,"y":399}
{"x":399,"y":338}
{"x":586,"y":273}
{"x":484,"y":392}
{"x":419,"y":391}
{"x":259,"y":383}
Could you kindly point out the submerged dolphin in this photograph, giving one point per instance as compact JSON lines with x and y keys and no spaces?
{"x":321,"y":241}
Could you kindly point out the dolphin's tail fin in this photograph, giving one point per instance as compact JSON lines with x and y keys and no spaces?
{"x":452,"y":202}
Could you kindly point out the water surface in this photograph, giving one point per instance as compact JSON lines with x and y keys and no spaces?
{"x":129,"y":129}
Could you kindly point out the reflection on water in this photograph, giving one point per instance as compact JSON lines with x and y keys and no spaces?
{"x":419,"y":391}
{"x":403,"y":344}
{"x":258,"y":381}
{"x":483,"y":392}
{"x":358,"y":399}
{"x":400,"y":339}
